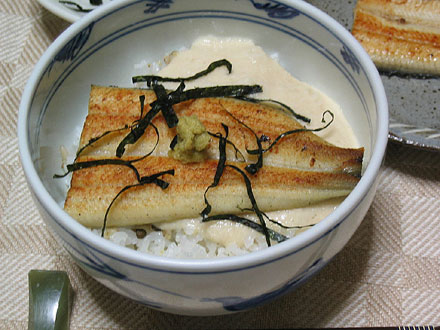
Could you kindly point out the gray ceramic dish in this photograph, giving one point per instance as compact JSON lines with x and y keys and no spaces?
{"x":414,"y":104}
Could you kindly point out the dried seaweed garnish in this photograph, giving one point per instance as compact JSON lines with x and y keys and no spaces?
{"x":155,"y":228}
{"x":98,"y":162}
{"x":174,"y":142}
{"x":215,"y":91}
{"x":76,"y":5}
{"x":237,"y":151}
{"x":282,"y":105}
{"x":97,"y":138}
{"x":284,"y":226}
{"x":249,"y":223}
{"x":220,"y":168}
{"x":277,"y":222}
{"x":251,"y":168}
{"x":152,"y":149}
{"x":221,"y":165}
{"x":138,"y":130}
{"x":154,"y":178}
{"x":142,"y":101}
{"x":253,"y":201}
{"x":178,"y":96}
{"x":279,"y":137}
{"x":152,"y":79}
{"x":167,"y":109}
{"x":76,"y":166}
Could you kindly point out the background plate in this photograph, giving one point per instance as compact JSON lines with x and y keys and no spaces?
{"x":414,"y":104}
{"x":70,"y":13}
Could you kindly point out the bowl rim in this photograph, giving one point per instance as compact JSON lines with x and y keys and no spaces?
{"x":60,"y":11}
{"x":253,"y":259}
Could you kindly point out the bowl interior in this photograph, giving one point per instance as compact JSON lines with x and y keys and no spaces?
{"x":105,"y":47}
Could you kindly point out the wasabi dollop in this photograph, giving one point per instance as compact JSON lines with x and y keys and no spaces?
{"x":192,"y":140}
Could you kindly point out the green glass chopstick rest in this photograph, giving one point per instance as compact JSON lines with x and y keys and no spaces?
{"x":50,"y":300}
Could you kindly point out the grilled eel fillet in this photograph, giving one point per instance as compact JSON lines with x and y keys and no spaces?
{"x":400,"y":35}
{"x":302,"y":169}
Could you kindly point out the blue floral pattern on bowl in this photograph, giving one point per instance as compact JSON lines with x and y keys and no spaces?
{"x":154,"y":5}
{"x":235,"y":304}
{"x":275,"y":9}
{"x":73,"y":47}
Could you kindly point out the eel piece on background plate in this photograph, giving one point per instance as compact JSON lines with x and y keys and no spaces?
{"x":400,"y":35}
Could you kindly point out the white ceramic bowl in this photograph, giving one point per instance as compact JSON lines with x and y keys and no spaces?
{"x":103,"y":47}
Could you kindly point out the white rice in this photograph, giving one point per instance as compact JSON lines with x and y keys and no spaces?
{"x":184,"y":242}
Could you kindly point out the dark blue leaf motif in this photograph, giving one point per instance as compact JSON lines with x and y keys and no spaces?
{"x":239,"y":304}
{"x":155,"y":5}
{"x":98,"y":265}
{"x":93,"y":262}
{"x":136,"y":295}
{"x":350,"y":59}
{"x":276,"y":10}
{"x":73,"y":47}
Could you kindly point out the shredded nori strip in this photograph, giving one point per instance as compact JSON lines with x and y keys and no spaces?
{"x":174,"y":142}
{"x":250,"y":168}
{"x":284,"y":226}
{"x":283,"y":106}
{"x":253,"y":201}
{"x":179,"y":96}
{"x":109,"y":161}
{"x":97,"y":138}
{"x":152,"y":80}
{"x":279,"y":137}
{"x":237,"y":151}
{"x":78,"y":6}
{"x":277,"y":222}
{"x":142,"y":101}
{"x":215,"y":91}
{"x":219,"y":171}
{"x":167,"y":109}
{"x":98,"y":162}
{"x":154,"y":178}
{"x":249,"y":223}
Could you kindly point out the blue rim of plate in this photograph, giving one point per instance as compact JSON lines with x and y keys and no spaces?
{"x":61,"y":10}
